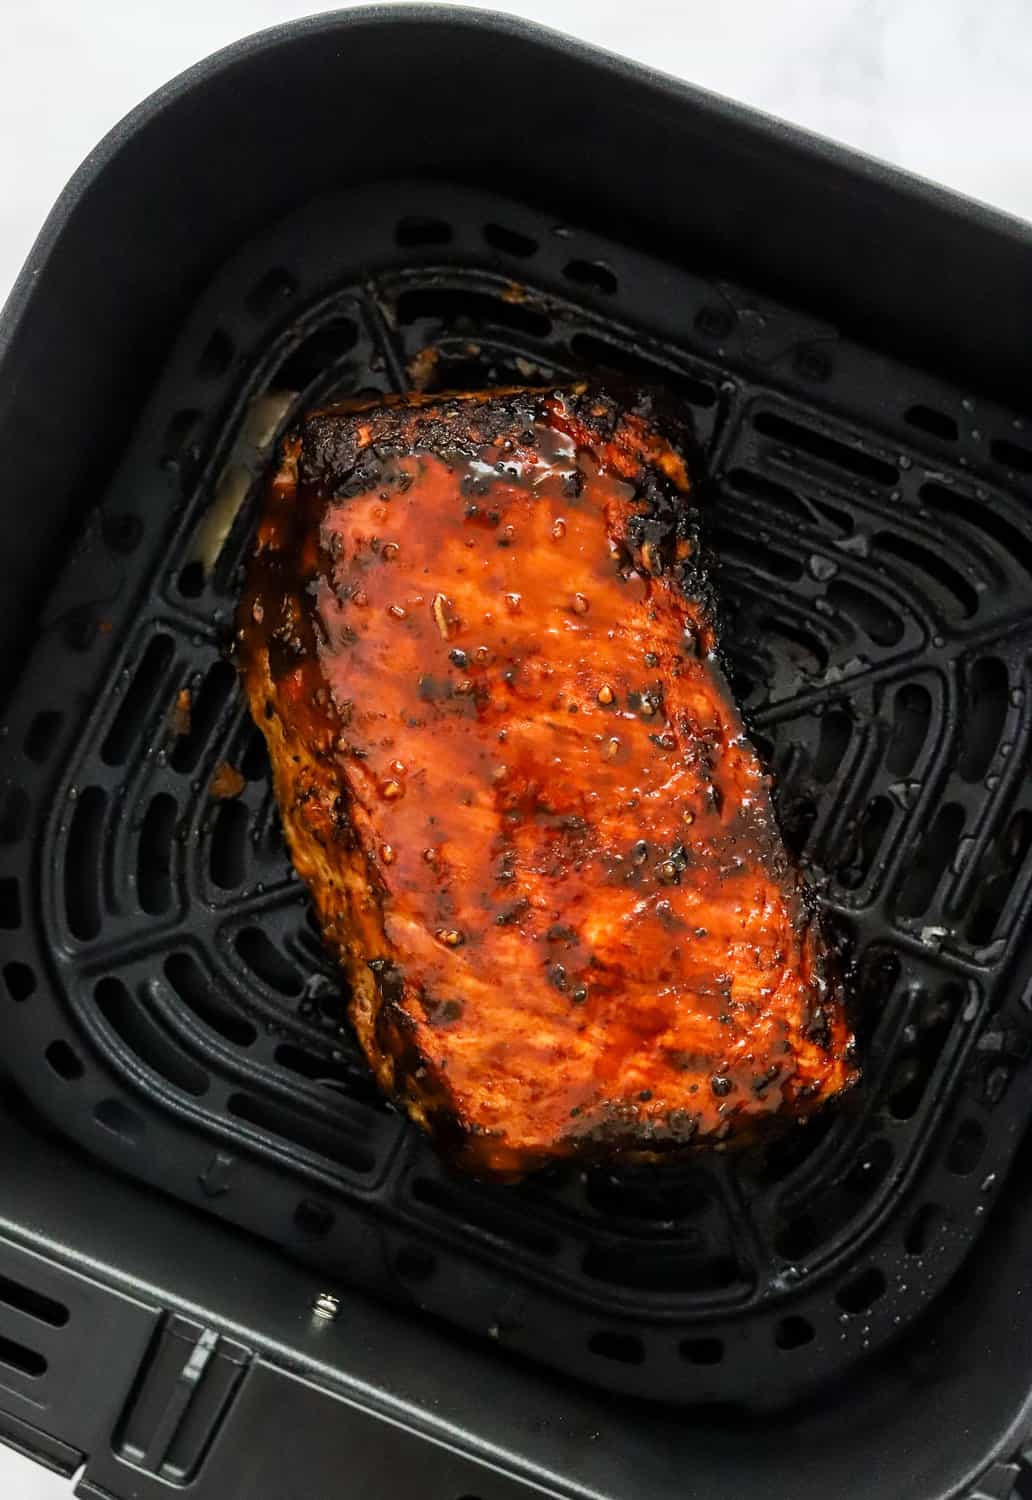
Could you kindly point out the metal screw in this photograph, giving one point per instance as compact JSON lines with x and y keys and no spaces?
{"x":326,"y":1306}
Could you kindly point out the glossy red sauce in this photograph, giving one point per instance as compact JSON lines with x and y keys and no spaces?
{"x":570,"y":839}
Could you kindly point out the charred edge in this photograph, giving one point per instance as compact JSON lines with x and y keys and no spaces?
{"x":342,"y":447}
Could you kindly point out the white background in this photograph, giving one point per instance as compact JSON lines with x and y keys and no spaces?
{"x":943,"y":87}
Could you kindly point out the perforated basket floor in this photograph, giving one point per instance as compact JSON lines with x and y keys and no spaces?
{"x":167,"y":1004}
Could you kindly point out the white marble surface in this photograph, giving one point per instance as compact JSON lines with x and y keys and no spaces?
{"x":943,"y":87}
{"x":940,"y":86}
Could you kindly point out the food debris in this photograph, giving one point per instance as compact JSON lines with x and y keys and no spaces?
{"x":440,"y":612}
{"x":227,"y":782}
{"x":179,"y":714}
{"x":420,"y":368}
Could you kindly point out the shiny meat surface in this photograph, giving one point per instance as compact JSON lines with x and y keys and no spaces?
{"x":477,"y":635}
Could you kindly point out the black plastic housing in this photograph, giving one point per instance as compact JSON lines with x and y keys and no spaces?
{"x":211,"y":1344}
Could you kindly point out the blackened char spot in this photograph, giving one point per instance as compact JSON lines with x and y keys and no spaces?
{"x":560,"y":933}
{"x":509,"y":915}
{"x":390,"y":981}
{"x":444,"y":1012}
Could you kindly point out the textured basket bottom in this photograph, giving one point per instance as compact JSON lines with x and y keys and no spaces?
{"x":170,"y":1006}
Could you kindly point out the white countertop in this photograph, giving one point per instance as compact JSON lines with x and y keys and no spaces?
{"x":942,"y":87}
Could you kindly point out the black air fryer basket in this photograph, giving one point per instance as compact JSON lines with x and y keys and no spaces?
{"x":226,"y":1265}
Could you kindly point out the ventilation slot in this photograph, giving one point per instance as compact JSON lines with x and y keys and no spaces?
{"x":732,"y":547}
{"x":984,"y":717}
{"x":14,"y":814}
{"x":593,"y":275}
{"x":702,"y":1351}
{"x":20,"y":981}
{"x":984,"y":516}
{"x":831,"y":1209}
{"x":777,"y":496}
{"x":83,"y":878}
{"x":878,"y":975}
{"x":204,"y":714}
{"x":307,"y":1065}
{"x":931,"y":860}
{"x":316,"y":354}
{"x":510,"y":241}
{"x":148,"y":680}
{"x":191,"y":580}
{"x":266,"y":961}
{"x":34,"y":1304}
{"x":65,"y":1063}
{"x":840,"y":521}
{"x":876,"y":619}
{"x":310,"y":1134}
{"x":794,"y":1333}
{"x":126,"y":1016}
{"x":228,"y":854}
{"x":24,"y":1361}
{"x":154,"y":855}
{"x":946,"y":587}
{"x":810,"y":512}
{"x":190,"y":983}
{"x":797,"y":816}
{"x":464,"y":311}
{"x":829,"y":450}
{"x":835,"y":734}
{"x":656,"y":1269}
{"x":936,"y":423}
{"x":603,"y":354}
{"x":925,"y":1039}
{"x":923,"y":1228}
{"x":803,"y":648}
{"x":650,"y":1195}
{"x":483,"y":1210}
{"x":254,"y":763}
{"x":999,"y":877}
{"x":911,"y":720}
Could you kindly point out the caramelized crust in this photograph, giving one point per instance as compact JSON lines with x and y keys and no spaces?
{"x":477,"y":635}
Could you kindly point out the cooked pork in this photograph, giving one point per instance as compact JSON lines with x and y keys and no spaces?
{"x":478,"y":635}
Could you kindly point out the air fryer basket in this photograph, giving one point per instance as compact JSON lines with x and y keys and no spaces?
{"x":879,"y":622}
{"x":170,"y":1009}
